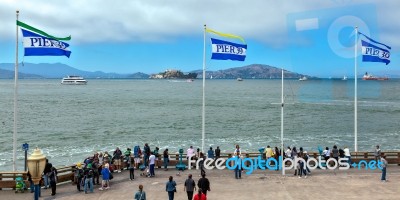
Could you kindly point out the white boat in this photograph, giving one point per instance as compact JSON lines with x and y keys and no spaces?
{"x":344,"y":78}
{"x":303,"y":78}
{"x":239,"y":79}
{"x":73,"y":80}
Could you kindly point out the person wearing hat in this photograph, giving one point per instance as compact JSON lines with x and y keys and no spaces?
{"x":88,"y":178}
{"x":78,"y":175}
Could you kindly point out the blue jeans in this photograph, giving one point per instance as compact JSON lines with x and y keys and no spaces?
{"x":166,"y":160}
{"x":46,"y":181}
{"x":170,"y":195}
{"x":348,"y":160}
{"x":383,"y":174}
{"x":238,"y":172}
{"x":301,"y":170}
{"x":31,"y":186}
{"x":152,"y":170}
{"x":88,"y":182}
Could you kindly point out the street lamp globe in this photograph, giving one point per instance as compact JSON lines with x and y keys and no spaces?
{"x":36,"y":164}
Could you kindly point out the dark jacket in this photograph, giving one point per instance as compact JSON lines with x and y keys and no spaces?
{"x":47,"y":168}
{"x":204,"y":184}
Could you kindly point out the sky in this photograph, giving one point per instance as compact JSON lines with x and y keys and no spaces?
{"x":313,"y":37}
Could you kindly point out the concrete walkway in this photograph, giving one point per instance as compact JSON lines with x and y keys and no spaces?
{"x":321,"y":184}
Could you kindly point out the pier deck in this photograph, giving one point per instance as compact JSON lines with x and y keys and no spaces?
{"x":321,"y":184}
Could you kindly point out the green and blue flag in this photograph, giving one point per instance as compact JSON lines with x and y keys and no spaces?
{"x":39,"y":43}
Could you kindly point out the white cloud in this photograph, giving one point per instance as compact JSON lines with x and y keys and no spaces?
{"x":90,"y":21}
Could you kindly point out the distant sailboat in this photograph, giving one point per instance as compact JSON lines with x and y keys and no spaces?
{"x":344,"y":78}
{"x":211,"y":77}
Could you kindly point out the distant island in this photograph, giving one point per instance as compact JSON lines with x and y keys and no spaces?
{"x":173,"y":74}
{"x":59,"y":70}
{"x":254,"y":71}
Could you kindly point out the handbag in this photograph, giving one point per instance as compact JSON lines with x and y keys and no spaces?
{"x":111,"y":176}
{"x":174,"y":186}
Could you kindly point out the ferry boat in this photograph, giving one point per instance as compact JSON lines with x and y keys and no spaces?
{"x":73,"y":80}
{"x":369,"y":77}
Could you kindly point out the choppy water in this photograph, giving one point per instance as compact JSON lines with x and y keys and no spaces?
{"x":71,"y":122}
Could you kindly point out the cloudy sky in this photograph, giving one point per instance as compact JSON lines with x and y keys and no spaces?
{"x":315,"y":37}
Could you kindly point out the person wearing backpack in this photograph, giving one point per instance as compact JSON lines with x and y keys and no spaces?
{"x":89,"y":178}
{"x":78,"y":176}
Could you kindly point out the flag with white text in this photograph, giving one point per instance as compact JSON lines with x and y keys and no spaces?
{"x":39,"y":43}
{"x":374,"y":51}
{"x":224,"y":50}
{"x":227,"y":50}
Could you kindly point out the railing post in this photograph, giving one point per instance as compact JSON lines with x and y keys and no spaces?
{"x":247,"y":156}
{"x":398,"y":158}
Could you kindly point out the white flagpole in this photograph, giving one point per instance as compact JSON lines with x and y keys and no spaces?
{"x":203,"y":118}
{"x":355,"y":91}
{"x":15,"y":100}
{"x":282,"y":104}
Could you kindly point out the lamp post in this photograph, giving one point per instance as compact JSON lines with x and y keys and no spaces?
{"x":36,"y":164}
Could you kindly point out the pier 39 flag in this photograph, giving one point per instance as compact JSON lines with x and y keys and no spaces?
{"x":39,"y":43}
{"x":374,"y":51}
{"x":224,"y":50}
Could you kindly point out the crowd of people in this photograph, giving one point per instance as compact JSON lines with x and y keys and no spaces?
{"x":88,"y":172}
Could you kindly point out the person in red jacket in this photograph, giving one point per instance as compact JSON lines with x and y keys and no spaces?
{"x":200,"y":195}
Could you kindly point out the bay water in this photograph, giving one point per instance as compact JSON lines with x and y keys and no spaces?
{"x":71,"y":122}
